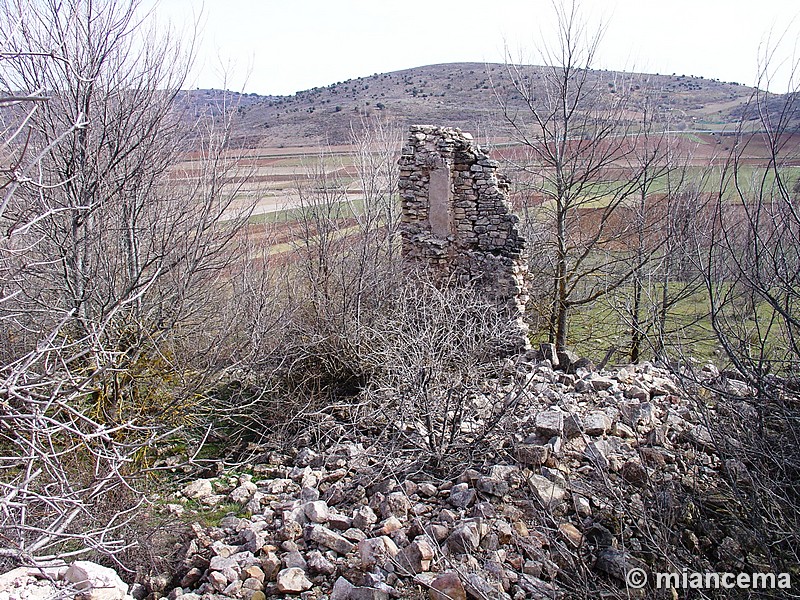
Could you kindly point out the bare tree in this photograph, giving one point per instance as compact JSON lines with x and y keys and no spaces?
{"x":110,"y":253}
{"x":573,"y":122}
{"x":377,"y":144}
{"x":668,"y":212}
{"x":751,"y":259}
{"x":751,"y":266}
{"x":652,"y":163}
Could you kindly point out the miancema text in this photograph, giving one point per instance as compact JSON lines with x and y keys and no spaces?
{"x":687,"y":579}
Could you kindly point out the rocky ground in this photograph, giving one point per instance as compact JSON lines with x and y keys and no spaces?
{"x":605,"y":471}
{"x":605,"y":458}
{"x":83,"y":579}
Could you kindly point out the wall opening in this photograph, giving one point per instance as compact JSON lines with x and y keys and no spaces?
{"x":440,"y":197}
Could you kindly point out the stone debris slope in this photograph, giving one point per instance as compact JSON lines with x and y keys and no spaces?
{"x":599,"y":453}
{"x":579,"y":486}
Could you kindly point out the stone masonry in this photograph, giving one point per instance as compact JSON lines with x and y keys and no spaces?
{"x":457,"y":217}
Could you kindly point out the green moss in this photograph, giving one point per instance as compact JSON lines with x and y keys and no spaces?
{"x":212,"y":517}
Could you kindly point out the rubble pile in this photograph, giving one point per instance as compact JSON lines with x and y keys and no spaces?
{"x":584,"y":464}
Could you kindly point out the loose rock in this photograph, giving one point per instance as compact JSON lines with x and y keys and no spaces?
{"x":292,"y":581}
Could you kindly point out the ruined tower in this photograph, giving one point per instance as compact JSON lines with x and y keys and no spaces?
{"x":457,"y":219}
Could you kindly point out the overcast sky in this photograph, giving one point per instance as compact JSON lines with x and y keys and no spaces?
{"x":283,"y":46}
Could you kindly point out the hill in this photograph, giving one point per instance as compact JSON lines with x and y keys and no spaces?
{"x":458,"y":94}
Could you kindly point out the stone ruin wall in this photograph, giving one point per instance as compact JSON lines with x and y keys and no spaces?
{"x":457,"y":219}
